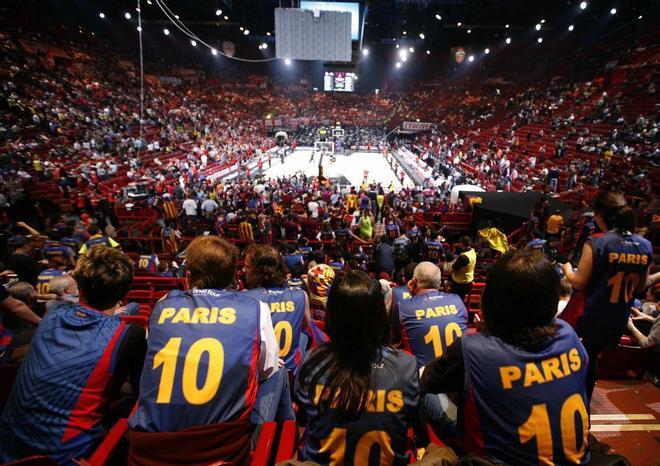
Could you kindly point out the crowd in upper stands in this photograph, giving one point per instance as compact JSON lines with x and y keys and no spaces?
{"x":362,"y":296}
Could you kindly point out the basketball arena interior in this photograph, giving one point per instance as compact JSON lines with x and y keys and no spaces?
{"x":347,"y":233}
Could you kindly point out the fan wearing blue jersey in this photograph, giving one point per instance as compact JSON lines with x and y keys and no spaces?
{"x":57,"y":266}
{"x":78,"y":359}
{"x":613,"y":267}
{"x":265,"y":276}
{"x":208,"y":349}
{"x":522,"y":383}
{"x":401,"y":292}
{"x":431,"y":319}
{"x":357,"y":394}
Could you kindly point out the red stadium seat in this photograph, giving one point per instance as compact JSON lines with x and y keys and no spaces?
{"x":287,"y":442}
{"x":619,"y":362}
{"x":108,"y":445}
{"x":262,"y":452}
{"x":142,"y":321}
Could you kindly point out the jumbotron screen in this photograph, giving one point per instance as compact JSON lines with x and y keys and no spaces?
{"x":338,"y":81}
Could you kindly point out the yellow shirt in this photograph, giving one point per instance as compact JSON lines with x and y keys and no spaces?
{"x":554,"y":224}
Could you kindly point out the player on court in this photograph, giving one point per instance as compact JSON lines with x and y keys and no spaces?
{"x":208,"y":349}
{"x":358,"y":395}
{"x":521,"y":385}
{"x":431,"y":319}
{"x":265,"y":274}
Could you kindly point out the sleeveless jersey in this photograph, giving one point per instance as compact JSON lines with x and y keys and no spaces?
{"x":148,"y":262}
{"x":44,"y":278}
{"x":620,"y":262}
{"x":378,"y":435}
{"x":56,"y":404}
{"x":433,"y":251}
{"x":287,"y":311}
{"x":526,"y":408}
{"x":201,"y":363}
{"x":430,"y":322}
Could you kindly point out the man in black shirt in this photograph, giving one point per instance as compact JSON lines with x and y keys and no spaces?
{"x":21,"y":261}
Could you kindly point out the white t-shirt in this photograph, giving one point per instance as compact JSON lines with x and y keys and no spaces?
{"x":190,"y":206}
{"x":313,"y":207}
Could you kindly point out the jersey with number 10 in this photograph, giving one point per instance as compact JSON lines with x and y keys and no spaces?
{"x":521,"y":407}
{"x":430,"y":322}
{"x":201,"y":363}
{"x":287,"y":311}
{"x":620,"y":262}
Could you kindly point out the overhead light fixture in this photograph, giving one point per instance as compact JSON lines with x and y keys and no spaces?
{"x":438,"y":17}
{"x":365,"y":52}
{"x":508,"y":40}
{"x":176,"y":16}
{"x":246,"y":32}
{"x":471,"y":58}
{"x":397,"y":46}
{"x":214,"y":52}
{"x":264,"y":45}
{"x":241,"y":28}
{"x":571,"y":27}
{"x":422,"y":36}
{"x":404,"y":59}
{"x":261,"y":46}
{"x":149,"y":2}
{"x":469,"y":31}
{"x":218,"y":12}
{"x":226,"y":17}
{"x":411,"y":49}
{"x":539,"y":40}
{"x":538,"y":26}
{"x":613,"y":11}
{"x":487,"y":51}
{"x":583,"y":5}
{"x":398,"y":65}
{"x":459,"y":24}
{"x":405,"y":32}
{"x":193,"y":43}
{"x":542,"y":21}
{"x":403,"y":53}
{"x":127,"y":15}
{"x":428,"y":52}
{"x":102,"y":15}
{"x":507,"y":26}
{"x":139,"y":29}
{"x":287,"y":61}
{"x":166,"y":32}
{"x":268,"y":33}
{"x":640,"y":17}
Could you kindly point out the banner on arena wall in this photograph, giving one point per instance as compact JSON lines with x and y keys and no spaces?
{"x":416,"y":126}
{"x":457,"y":55}
{"x":228,"y":48}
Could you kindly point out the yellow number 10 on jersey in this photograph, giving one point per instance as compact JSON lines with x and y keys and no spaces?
{"x":168,"y":356}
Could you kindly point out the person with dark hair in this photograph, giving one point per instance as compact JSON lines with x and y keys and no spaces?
{"x":78,"y":359}
{"x":21,"y":260}
{"x":401,"y":292}
{"x":266,"y":276}
{"x":96,"y":237}
{"x":208,"y":349}
{"x":384,"y":256}
{"x":462,"y":270}
{"x":521,"y":383}
{"x":613,"y":267}
{"x":356,"y":391}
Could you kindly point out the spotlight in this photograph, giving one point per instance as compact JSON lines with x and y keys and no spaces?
{"x":542,"y":21}
{"x":640,"y":17}
{"x":365,"y":52}
{"x":226,"y":17}
{"x":537,"y":27}
{"x":246,"y":32}
{"x":613,"y":11}
{"x":507,"y":26}
{"x":405,"y":32}
{"x":539,"y":40}
{"x":176,"y":16}
{"x":487,"y":51}
{"x":127,"y":15}
{"x":469,"y":31}
{"x":403,"y":53}
{"x":149,"y":2}
{"x":218,"y":12}
{"x":428,"y":52}
{"x":508,"y":40}
{"x":166,"y":32}
{"x":264,"y":46}
{"x":583,"y":5}
{"x":287,"y":61}
{"x":241,"y":28}
{"x":214,"y":52}
{"x":260,"y":46}
{"x":193,"y":43}
{"x":459,"y":24}
{"x":102,"y":15}
{"x":411,"y":49}
{"x":471,"y":58}
{"x":397,"y":46}
{"x":139,"y":29}
{"x":404,"y":59}
{"x":571,"y":27}
{"x":268,"y":33}
{"x":438,"y":17}
{"x":422,"y":36}
{"x":398,"y":65}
